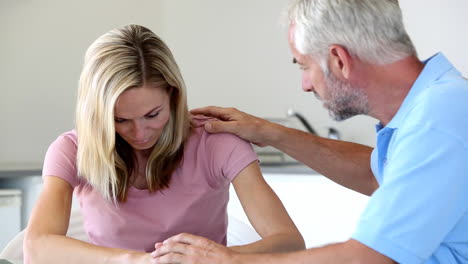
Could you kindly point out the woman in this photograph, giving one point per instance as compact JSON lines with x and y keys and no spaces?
{"x":139,"y":168}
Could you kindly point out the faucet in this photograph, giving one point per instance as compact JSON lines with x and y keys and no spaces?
{"x":301,"y":118}
{"x":332,"y":132}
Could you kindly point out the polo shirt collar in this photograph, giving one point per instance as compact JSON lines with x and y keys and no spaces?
{"x":435,"y":67}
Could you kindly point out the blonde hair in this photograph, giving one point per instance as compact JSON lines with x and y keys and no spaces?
{"x":121,"y":59}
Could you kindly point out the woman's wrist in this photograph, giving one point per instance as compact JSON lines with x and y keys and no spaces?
{"x":130,"y":257}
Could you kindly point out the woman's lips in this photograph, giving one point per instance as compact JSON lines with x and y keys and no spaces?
{"x":142,"y":142}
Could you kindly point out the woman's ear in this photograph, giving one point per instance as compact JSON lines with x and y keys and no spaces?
{"x":170,"y":89}
{"x":340,"y":61}
{"x":172,"y":92}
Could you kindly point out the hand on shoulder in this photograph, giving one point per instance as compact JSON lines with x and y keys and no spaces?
{"x":219,"y":119}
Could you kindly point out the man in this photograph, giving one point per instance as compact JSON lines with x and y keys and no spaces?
{"x":358,"y":59}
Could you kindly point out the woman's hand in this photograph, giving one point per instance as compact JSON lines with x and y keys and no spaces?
{"x":190,"y":249}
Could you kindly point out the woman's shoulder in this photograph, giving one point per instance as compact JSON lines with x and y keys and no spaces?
{"x":222,"y":154}
{"x":67,"y":139}
{"x":70,"y":135}
{"x":199,"y":135}
{"x":60,"y":159}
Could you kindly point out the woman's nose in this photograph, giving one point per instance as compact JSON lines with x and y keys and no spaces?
{"x":139,"y":130}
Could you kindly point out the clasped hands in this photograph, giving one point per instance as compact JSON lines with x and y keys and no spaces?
{"x":190,"y":249}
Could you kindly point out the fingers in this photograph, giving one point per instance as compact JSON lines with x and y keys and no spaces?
{"x":229,"y":120}
{"x":202,"y":118}
{"x":171,"y":258}
{"x":221,"y":126}
{"x":200,"y":121}
{"x":190,"y":249}
{"x":215,"y":111}
{"x":178,"y":250}
{"x":158,"y":245}
{"x":214,"y":125}
{"x":189,"y":239}
{"x":180,"y":244}
{"x":171,"y":247}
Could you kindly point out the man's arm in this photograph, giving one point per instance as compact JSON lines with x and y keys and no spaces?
{"x":185,"y":248}
{"x":343,"y":162}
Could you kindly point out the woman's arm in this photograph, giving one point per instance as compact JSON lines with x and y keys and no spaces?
{"x":266,"y":213}
{"x":45,"y":238}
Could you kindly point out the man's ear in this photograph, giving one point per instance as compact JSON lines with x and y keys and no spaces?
{"x":340,"y":61}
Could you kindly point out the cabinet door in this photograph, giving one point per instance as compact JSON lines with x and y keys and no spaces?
{"x":10,"y":215}
{"x":30,"y":187}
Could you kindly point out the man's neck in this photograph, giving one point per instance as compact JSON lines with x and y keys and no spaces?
{"x":388,"y":85}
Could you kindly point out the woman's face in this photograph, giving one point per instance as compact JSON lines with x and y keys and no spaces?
{"x":141,"y":114}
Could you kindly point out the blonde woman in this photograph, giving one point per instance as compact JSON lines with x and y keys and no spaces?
{"x":140,"y":170}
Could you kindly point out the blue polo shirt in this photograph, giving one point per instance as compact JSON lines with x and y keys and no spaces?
{"x":419,"y":213}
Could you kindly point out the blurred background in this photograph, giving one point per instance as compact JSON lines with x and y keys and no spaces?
{"x":231,"y":53}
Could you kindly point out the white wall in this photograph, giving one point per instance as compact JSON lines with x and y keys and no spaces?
{"x":231,"y":53}
{"x":436,"y":25}
{"x":41,"y":50}
{"x":235,"y":53}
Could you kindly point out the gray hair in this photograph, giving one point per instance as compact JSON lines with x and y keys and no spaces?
{"x":371,"y":30}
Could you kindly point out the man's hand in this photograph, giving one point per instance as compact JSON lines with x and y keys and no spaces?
{"x":190,"y":249}
{"x":217,"y":119}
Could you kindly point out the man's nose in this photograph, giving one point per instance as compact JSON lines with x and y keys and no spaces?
{"x":306,"y":83}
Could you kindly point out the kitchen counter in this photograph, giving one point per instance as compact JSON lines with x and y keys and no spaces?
{"x":8,"y":170}
{"x":323,"y":211}
{"x":13,"y":170}
{"x":19,"y":173}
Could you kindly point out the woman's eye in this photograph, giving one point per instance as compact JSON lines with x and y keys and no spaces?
{"x":119,"y":120}
{"x":153,"y":115}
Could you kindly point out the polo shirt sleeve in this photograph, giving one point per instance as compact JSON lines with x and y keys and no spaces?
{"x":421,"y":198}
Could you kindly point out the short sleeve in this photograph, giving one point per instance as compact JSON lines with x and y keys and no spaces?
{"x":421,"y":198}
{"x":229,"y":155}
{"x":60,"y":159}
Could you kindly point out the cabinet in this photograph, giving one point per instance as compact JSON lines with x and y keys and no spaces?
{"x":29,"y":182}
{"x":10,"y":215}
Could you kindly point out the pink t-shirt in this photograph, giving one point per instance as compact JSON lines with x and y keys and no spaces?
{"x":195,"y":202}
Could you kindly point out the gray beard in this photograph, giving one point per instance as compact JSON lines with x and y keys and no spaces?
{"x":344,"y":101}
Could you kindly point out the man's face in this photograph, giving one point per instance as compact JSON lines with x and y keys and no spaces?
{"x":344,"y":100}
{"x":340,"y":98}
{"x":312,"y":74}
